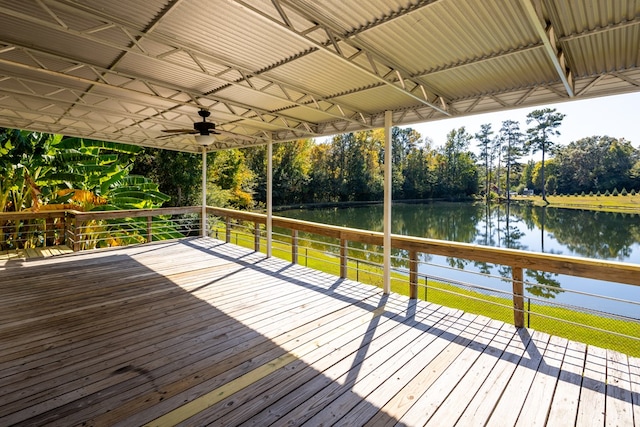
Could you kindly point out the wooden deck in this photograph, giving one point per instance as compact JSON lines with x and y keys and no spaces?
{"x":24,"y":254}
{"x":198,"y":332}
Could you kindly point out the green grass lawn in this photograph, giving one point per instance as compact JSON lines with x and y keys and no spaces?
{"x":618,"y":203}
{"x":574,"y":325}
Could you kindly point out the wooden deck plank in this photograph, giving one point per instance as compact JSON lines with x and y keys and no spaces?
{"x":539,"y":398}
{"x":417,"y":403}
{"x":507,"y":409}
{"x":564,"y":407}
{"x":591,"y":408}
{"x":454,"y":360}
{"x":393,"y":374}
{"x":478,"y":411}
{"x":618,"y":401}
{"x":364,"y":362}
{"x":91,"y":358}
{"x":199,"y":332}
{"x":86,"y":388}
{"x":163,"y":396}
{"x":634,"y":374}
{"x":34,"y":253}
{"x":318,"y":325}
{"x":336,"y":364}
{"x":449,"y":411}
{"x":260,"y":393}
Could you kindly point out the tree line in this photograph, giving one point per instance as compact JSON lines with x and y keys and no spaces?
{"x":40,"y":168}
{"x":349,"y":167}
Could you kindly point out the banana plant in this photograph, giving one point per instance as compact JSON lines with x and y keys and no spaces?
{"x":51,"y":172}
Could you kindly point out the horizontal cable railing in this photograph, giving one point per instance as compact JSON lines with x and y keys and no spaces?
{"x":28,"y":230}
{"x":90,"y":230}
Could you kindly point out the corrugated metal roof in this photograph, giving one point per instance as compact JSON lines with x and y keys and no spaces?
{"x":125,"y":70}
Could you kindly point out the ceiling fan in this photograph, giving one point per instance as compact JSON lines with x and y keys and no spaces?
{"x":205,"y":130}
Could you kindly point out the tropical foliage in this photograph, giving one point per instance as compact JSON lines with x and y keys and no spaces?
{"x":52,"y":172}
{"x":45,"y":171}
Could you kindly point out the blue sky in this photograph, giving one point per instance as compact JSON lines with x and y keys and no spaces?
{"x":616,"y":116}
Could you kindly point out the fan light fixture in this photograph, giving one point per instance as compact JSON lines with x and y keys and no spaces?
{"x":205,"y":140}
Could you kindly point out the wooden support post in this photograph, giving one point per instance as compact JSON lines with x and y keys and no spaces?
{"x":76,"y":234}
{"x":67,"y":230}
{"x":294,"y":246}
{"x":343,"y":258}
{"x":518,"y":298}
{"x":413,"y":274}
{"x":62,"y":240}
{"x":256,"y":236}
{"x":227,"y":237}
{"x":49,"y":232}
{"x":149,"y":232}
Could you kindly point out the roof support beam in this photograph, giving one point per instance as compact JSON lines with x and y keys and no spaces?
{"x":175,"y":47}
{"x":255,"y":115}
{"x":336,"y":52}
{"x":548,"y":37}
{"x":407,"y":81}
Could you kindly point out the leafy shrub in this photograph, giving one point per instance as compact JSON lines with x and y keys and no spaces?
{"x":606,"y":193}
{"x":623,"y":192}
{"x":615,"y":192}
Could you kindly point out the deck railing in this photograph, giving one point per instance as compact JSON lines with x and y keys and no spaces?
{"x":357,"y":254}
{"x":89,"y":230}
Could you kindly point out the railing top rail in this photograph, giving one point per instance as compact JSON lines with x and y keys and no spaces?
{"x":9,"y":216}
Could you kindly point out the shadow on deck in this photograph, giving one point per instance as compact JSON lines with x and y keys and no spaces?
{"x":199,"y":332}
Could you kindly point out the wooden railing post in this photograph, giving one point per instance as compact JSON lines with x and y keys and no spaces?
{"x":77,"y":227}
{"x":49,"y":231}
{"x":413,"y":274}
{"x":227,"y":237}
{"x":67,"y":230}
{"x":294,"y":246}
{"x":518,"y":297}
{"x":256,"y":236}
{"x":343,"y":258}
{"x":63,"y":227}
{"x":149,"y":232}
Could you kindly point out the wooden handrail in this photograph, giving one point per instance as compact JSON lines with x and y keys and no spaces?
{"x":8,"y":216}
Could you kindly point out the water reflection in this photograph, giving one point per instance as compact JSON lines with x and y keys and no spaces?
{"x":598,"y":235}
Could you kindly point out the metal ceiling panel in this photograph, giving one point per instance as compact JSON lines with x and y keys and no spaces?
{"x":450,"y":32}
{"x":495,"y":76}
{"x":324,"y":74}
{"x":124,"y":70}
{"x":227,"y":31}
{"x":139,"y":13}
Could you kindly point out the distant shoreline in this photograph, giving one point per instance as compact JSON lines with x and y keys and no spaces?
{"x":622,"y":204}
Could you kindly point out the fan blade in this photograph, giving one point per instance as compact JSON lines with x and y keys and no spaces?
{"x":179,"y":131}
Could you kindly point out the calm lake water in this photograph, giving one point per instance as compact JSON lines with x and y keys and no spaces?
{"x":588,"y":234}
